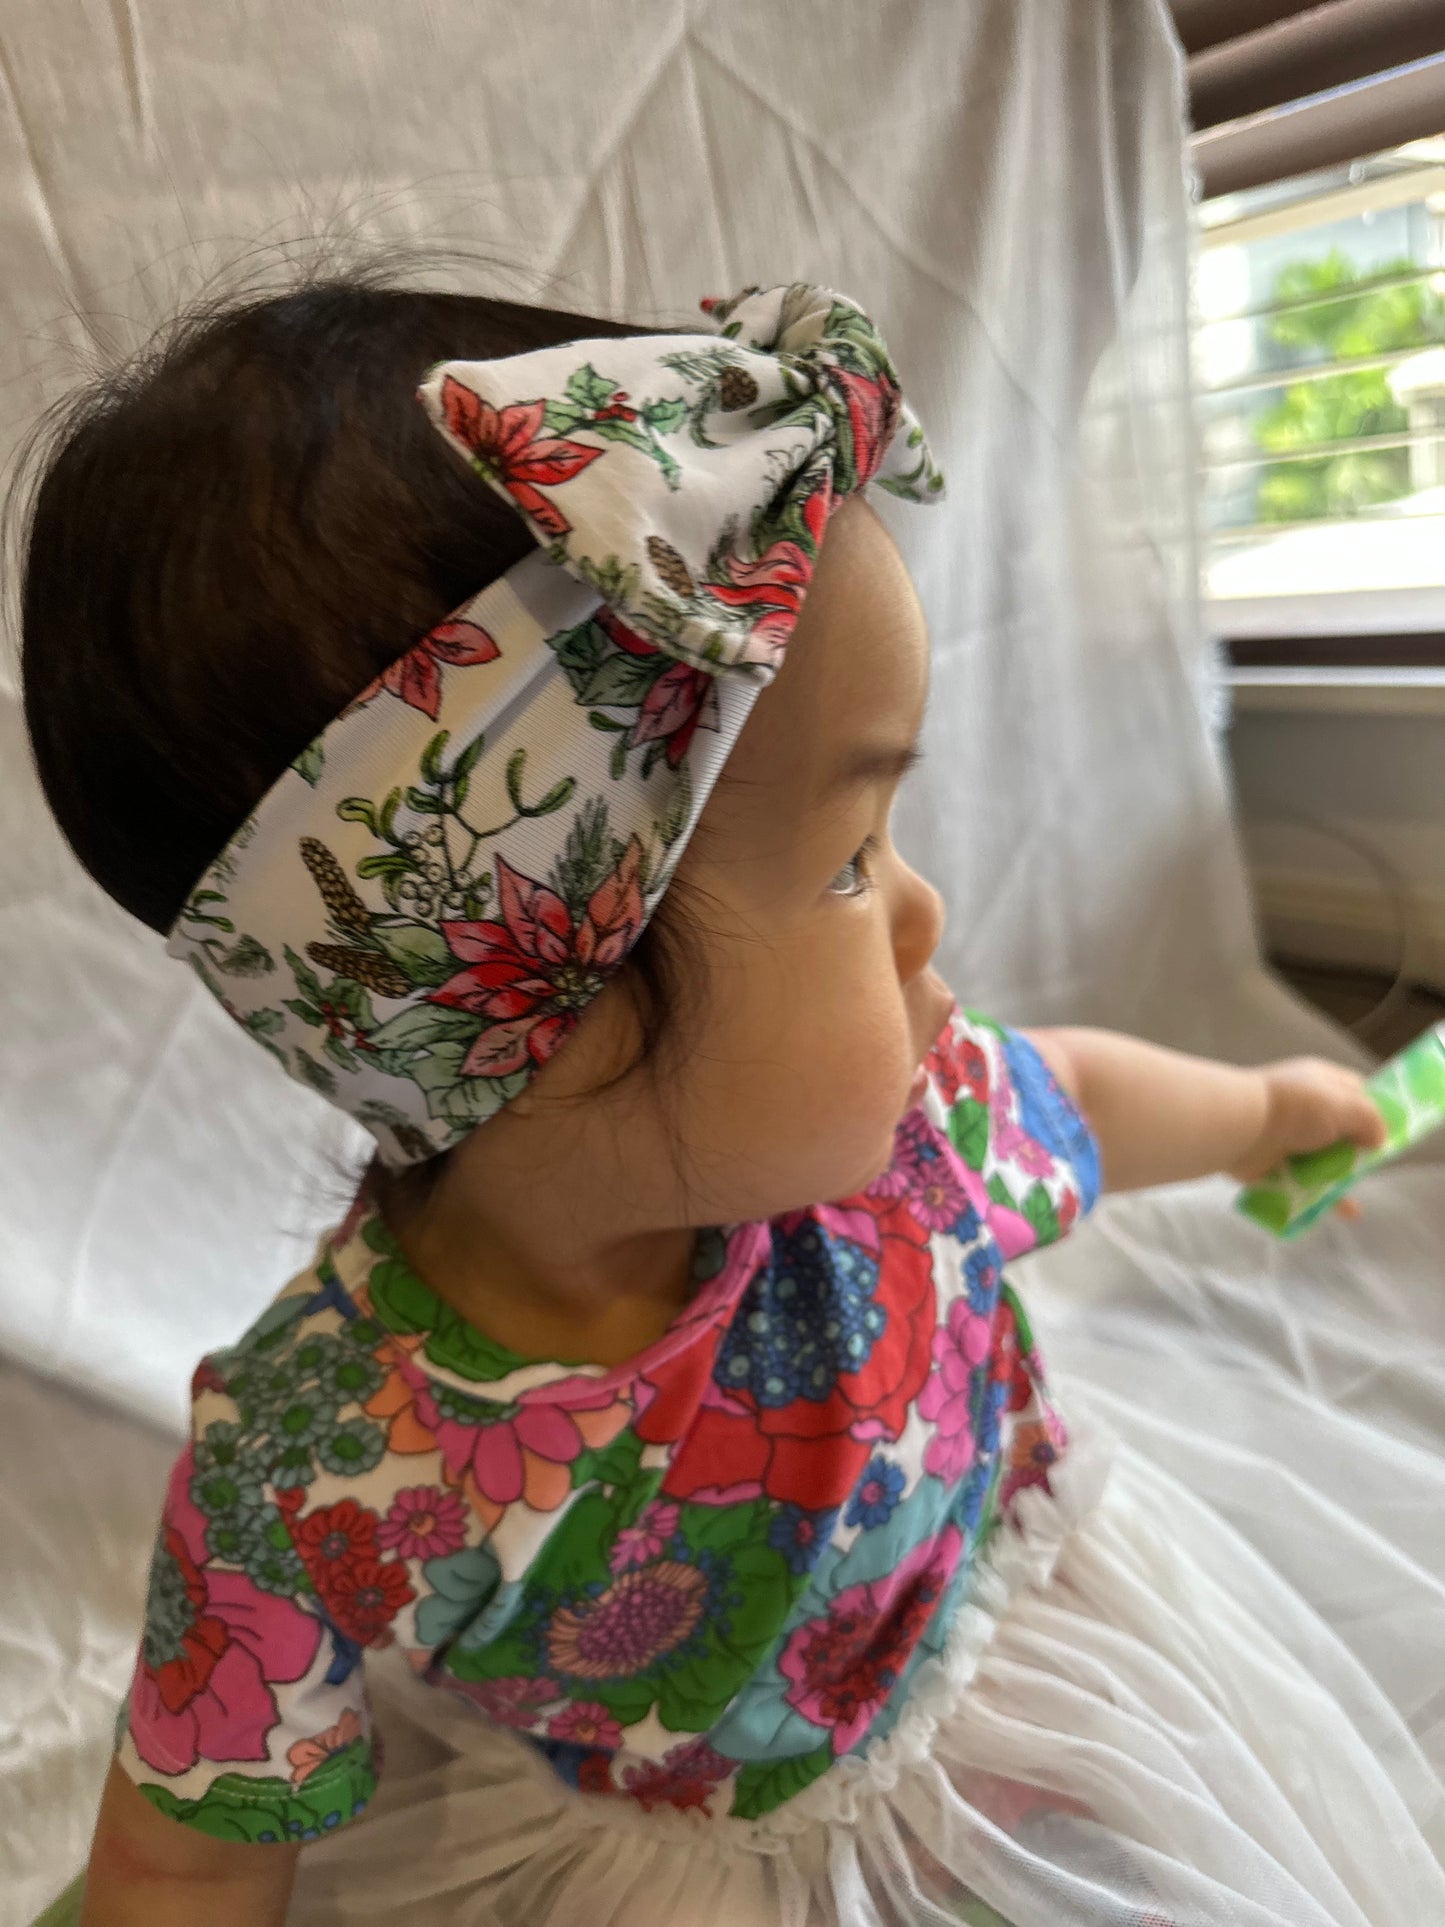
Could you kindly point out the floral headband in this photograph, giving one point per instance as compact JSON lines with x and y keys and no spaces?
{"x":416,"y":914}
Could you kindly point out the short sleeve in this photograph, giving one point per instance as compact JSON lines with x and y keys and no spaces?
{"x":1014,"y":1126}
{"x":247,"y":1716}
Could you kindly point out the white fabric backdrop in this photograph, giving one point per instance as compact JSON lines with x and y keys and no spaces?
{"x":1000,"y":181}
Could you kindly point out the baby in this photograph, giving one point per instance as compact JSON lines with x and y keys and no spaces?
{"x":515,"y":763}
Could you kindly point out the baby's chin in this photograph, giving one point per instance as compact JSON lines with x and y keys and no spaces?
{"x":868,"y":1173}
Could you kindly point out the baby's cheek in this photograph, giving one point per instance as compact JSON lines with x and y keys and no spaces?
{"x":869,"y":1066}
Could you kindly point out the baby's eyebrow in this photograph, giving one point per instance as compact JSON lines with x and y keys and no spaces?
{"x":868,"y":763}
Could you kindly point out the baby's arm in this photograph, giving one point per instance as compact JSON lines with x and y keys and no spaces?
{"x":1160,"y":1116}
{"x":148,"y":1871}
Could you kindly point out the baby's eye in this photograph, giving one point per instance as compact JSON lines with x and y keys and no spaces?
{"x":855,"y":877}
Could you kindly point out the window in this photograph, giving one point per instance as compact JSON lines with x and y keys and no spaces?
{"x":1321,"y":366}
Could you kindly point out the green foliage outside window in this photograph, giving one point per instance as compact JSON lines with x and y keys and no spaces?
{"x":1343,"y":406}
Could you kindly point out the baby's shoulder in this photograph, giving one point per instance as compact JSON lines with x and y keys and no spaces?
{"x":311,"y":1326}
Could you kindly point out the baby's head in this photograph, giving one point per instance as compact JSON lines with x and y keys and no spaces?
{"x":236,"y":537}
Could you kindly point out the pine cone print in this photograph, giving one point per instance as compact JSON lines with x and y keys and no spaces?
{"x":362,"y":967}
{"x":336,"y":891}
{"x":670,"y":566}
{"x":737,"y":389}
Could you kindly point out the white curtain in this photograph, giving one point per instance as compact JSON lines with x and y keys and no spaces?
{"x":1002,"y":183}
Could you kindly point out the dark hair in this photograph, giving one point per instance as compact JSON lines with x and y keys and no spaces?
{"x":232,"y":535}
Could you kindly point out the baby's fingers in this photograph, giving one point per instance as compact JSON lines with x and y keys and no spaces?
{"x":1339,"y":1104}
{"x":1363,"y":1123}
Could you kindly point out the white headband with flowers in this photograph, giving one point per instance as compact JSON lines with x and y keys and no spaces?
{"x":418,"y":911}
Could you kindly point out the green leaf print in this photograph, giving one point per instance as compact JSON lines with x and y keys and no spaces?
{"x":665,"y":417}
{"x":968,"y":1131}
{"x":424,"y":1026}
{"x":431,"y":756}
{"x":357,"y":809}
{"x":690,"y":1696}
{"x":469,"y":758}
{"x":763,"y":1785}
{"x":611,"y":1465}
{"x":638,"y":437}
{"x":310,"y":763}
{"x":589,"y":389}
{"x":769,"y":1588}
{"x":614,"y":582}
{"x":723,"y":1528}
{"x":622,"y":682}
{"x":587,"y":856}
{"x":314,"y":1074}
{"x":307,"y":982}
{"x":248,"y":957}
{"x":674,"y":819}
{"x":516,"y":763}
{"x":340,"y":1055}
{"x":561,"y":417}
{"x":384,"y":863}
{"x":1021,"y":1317}
{"x":555,"y":797}
{"x":388,"y":812}
{"x":1039,"y":1209}
{"x":416,"y":949}
{"x":580,"y":651}
{"x":999,"y":1193}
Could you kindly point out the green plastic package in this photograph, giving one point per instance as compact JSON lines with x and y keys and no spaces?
{"x":1410,"y":1091}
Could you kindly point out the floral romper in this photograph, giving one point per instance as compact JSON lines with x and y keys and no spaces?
{"x":698,"y":1579}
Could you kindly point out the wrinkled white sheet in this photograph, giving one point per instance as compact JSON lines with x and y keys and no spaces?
{"x":1000,"y":180}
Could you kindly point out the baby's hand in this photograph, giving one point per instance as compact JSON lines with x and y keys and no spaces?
{"x":1309,"y":1103}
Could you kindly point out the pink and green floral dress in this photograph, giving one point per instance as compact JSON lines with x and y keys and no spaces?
{"x":696,"y":1579}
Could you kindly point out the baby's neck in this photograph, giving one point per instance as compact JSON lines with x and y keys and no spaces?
{"x":539,"y":1290}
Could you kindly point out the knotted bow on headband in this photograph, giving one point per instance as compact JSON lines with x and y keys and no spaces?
{"x":418,"y":911}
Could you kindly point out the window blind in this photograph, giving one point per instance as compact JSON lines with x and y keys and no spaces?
{"x":1278,"y":88}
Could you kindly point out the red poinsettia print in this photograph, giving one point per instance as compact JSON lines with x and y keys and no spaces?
{"x":416,"y":676}
{"x":510,"y":448}
{"x":771,"y":586}
{"x":530,"y":976}
{"x":873,"y":405}
{"x":807,"y":1448}
{"x":681,"y":701}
